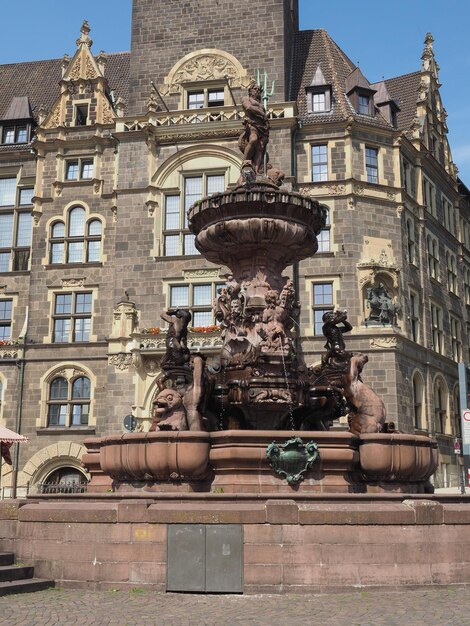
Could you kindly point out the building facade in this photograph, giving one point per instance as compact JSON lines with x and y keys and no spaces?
{"x":101,"y":156}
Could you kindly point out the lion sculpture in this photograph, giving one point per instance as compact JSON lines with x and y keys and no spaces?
{"x":169,"y":412}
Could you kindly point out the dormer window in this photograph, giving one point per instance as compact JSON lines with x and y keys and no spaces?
{"x":318,"y":94}
{"x":360,"y":92}
{"x":318,"y":99}
{"x":15,"y":134}
{"x":363,"y":104}
{"x":81,"y":114}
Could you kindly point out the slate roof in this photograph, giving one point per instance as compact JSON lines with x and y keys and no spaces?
{"x":404,"y":89}
{"x":313,"y":48}
{"x":39,"y":81}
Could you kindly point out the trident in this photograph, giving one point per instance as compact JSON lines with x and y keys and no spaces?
{"x":266,"y":95}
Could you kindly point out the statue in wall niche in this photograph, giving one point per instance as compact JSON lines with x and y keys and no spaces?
{"x":255,"y":137}
{"x":368,"y":411}
{"x":177,"y":352}
{"x":168,"y":411}
{"x":382,"y":308}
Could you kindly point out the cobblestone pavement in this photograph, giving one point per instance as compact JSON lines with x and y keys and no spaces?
{"x":448,"y":606}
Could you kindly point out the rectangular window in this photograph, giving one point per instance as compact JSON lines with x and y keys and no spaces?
{"x":206,"y":98}
{"x":437,"y":325}
{"x":432,"y":246}
{"x":72,"y":317}
{"x":26,"y":195}
{"x":196,"y":100}
{"x":319,"y":163}
{"x":87,"y":169}
{"x":322,"y":302}
{"x":15,"y":134}
{"x":7,"y":191}
{"x":79,"y":169}
{"x":198,"y":298}
{"x":411,"y":241}
{"x":414,"y":316}
{"x":5,"y":319}
{"x":81,"y":114}
{"x":177,"y":240}
{"x":215,"y":98}
{"x":407,"y":176}
{"x":429,"y":196}
{"x":451,"y":262}
{"x":372,"y":165}
{"x":455,"y":338}
{"x":449,"y":215}
{"x":363,"y":104}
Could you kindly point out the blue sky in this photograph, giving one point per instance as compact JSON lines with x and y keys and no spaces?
{"x":386,"y":39}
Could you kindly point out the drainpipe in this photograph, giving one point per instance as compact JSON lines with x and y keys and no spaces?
{"x":19,"y":411}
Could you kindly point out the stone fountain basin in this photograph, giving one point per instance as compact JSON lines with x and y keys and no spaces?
{"x":397,"y":457}
{"x":162,"y":455}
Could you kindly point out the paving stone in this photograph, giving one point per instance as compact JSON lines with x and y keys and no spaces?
{"x":428,"y":606}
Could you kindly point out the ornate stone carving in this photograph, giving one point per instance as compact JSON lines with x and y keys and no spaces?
{"x":359,"y":190}
{"x":384,"y":342}
{"x":336,"y":190}
{"x":90,"y":70}
{"x":74,"y":73}
{"x":73,"y":282}
{"x":8,"y":352}
{"x":201,"y":273}
{"x":121,"y":361}
{"x":78,"y":372}
{"x":204,"y":65}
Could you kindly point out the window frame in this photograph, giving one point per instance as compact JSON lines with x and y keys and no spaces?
{"x":437,"y":328}
{"x":455,"y":327}
{"x":181,"y":235}
{"x":195,"y":309}
{"x":80,"y":163}
{"x":322,"y":162}
{"x":314,"y":91}
{"x":320,"y":308}
{"x":417,"y":385}
{"x":70,"y":402}
{"x":73,"y":316}
{"x":66,"y":240}
{"x":429,"y":196}
{"x":372,"y":166}
{"x":19,"y":255}
{"x":432,"y":251}
{"x":6,"y":322}
{"x":205,"y":89}
{"x":15,"y":128}
{"x":415,"y":320}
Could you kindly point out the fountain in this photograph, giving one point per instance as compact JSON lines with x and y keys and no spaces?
{"x":261,"y":421}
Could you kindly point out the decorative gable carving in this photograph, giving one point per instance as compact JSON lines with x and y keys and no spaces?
{"x":81,"y":82}
{"x":204,"y":65}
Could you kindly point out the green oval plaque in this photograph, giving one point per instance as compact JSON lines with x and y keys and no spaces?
{"x":292,"y":459}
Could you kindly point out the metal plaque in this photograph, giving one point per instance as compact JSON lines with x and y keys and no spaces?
{"x":292,"y":459}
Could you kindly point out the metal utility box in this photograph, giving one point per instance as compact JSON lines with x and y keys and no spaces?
{"x":205,"y":558}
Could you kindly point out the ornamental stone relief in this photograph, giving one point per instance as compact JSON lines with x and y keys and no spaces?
{"x":209,"y":64}
{"x":120,"y":361}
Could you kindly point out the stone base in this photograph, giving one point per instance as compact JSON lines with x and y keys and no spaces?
{"x":305,"y":543}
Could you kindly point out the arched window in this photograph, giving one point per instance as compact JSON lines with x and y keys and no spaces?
{"x":440,"y":406}
{"x":68,"y":402}
{"x":418,"y":397}
{"x":77,"y":240}
{"x":64,"y":480}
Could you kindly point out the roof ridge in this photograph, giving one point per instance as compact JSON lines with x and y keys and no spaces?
{"x":56,"y":59}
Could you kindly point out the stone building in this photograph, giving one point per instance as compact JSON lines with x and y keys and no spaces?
{"x":98,"y":167}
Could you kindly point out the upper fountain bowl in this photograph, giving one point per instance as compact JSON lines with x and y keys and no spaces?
{"x":261,"y":216}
